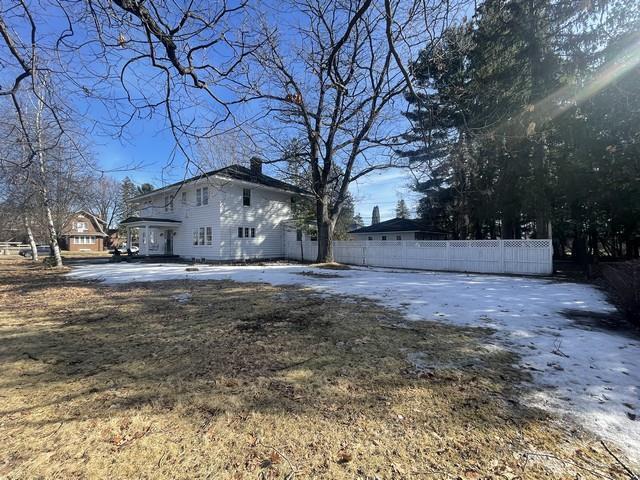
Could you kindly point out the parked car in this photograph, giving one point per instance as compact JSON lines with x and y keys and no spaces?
{"x":42,"y":250}
{"x":123,"y":249}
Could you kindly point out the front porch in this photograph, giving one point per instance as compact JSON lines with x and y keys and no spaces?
{"x":155,"y":236}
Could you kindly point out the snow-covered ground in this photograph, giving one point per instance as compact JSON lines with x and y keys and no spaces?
{"x":589,"y":373}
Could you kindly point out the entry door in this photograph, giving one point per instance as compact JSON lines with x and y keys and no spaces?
{"x":169,"y":243}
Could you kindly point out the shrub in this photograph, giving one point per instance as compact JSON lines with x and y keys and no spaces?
{"x":623,"y":282}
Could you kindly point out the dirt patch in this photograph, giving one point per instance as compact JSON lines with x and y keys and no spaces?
{"x":611,"y":322}
{"x":331,"y":266}
{"x":311,"y":273}
{"x":258,"y":382}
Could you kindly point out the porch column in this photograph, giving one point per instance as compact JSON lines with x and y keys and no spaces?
{"x":128,"y":237}
{"x":146,"y":240}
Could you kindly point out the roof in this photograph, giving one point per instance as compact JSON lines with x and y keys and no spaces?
{"x":148,"y":219}
{"x":97,"y":222}
{"x":397,"y":225}
{"x":237,"y":172}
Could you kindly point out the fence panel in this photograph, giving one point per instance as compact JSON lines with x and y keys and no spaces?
{"x":528,"y":257}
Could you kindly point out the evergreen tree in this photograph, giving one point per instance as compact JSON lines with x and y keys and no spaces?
{"x":402,"y":211}
{"x":127,"y":192}
{"x":375,"y":215}
{"x":524,"y":118}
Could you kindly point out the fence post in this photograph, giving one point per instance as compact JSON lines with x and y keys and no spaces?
{"x":364,"y":254}
{"x":502,"y":268}
{"x":448,"y":256}
{"x":403,"y":245}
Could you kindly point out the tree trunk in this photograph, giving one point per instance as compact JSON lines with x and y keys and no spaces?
{"x":325,"y":232}
{"x":44,"y":191}
{"x":32,"y":242}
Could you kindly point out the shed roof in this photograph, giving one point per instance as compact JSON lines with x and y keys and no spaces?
{"x":397,"y":225}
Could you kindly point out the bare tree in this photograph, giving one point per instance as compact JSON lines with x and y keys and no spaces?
{"x":105,"y":201}
{"x":335,"y":78}
{"x":331,"y":72}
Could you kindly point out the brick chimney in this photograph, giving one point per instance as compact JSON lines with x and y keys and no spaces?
{"x":256,"y":166}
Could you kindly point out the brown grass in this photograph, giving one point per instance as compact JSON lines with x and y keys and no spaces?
{"x":331,"y":266}
{"x":251,"y":381}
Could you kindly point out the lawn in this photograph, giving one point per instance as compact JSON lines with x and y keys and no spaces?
{"x":218,"y":379}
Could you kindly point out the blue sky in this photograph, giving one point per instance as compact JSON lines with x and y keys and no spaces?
{"x":147,"y":146}
{"x":143,"y":158}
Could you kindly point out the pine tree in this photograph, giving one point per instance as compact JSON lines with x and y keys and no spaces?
{"x":505,"y":136}
{"x":402,"y":211}
{"x":127,"y":193}
{"x":375,"y":215}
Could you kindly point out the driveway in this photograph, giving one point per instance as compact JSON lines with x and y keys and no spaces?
{"x":581,"y":367}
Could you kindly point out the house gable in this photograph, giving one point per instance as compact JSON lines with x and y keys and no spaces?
{"x":83,"y":223}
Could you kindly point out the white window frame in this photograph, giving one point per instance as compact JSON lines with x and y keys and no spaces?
{"x":246,"y":195}
{"x":184,"y":199}
{"x":168,"y":203}
{"x":84,"y":240}
{"x":246,"y":232}
{"x":202,"y":236}
{"x":202,"y":196}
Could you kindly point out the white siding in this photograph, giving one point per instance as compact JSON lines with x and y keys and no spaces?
{"x":225,"y":212}
{"x":268,"y":213}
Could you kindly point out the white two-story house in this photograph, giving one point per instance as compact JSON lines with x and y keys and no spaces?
{"x":234,"y":213}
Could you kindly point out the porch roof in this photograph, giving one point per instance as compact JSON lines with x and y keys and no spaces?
{"x":149,"y":222}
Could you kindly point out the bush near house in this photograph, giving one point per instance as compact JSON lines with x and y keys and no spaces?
{"x":623,"y":282}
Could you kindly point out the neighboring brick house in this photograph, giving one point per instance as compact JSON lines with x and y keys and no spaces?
{"x":84,"y":232}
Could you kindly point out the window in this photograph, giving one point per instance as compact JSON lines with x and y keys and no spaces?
{"x":202,"y":196}
{"x":203,"y":236}
{"x":369,"y":238}
{"x":184,"y":199}
{"x":81,"y":226}
{"x":246,"y":232}
{"x":298,"y":234}
{"x":168,"y":203}
{"x":398,"y":237}
{"x":89,"y":240}
{"x":246,"y":197}
{"x":384,"y":237}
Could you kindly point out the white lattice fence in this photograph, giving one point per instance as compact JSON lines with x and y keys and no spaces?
{"x":529,"y":257}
